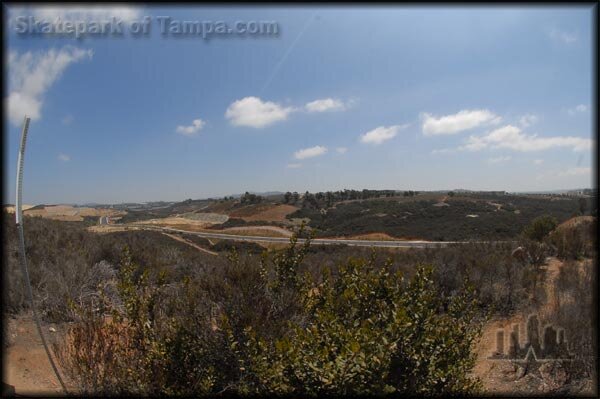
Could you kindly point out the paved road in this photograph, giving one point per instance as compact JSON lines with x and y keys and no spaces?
{"x":316,"y":241}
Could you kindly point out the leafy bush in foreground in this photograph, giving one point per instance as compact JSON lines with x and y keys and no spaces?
{"x":365,"y":330}
{"x":371,"y":333}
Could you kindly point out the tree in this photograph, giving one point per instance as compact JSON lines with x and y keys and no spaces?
{"x":540,"y":227}
{"x":287,"y":197}
{"x":329,"y":198}
{"x":582,"y":206}
{"x":248,"y":198}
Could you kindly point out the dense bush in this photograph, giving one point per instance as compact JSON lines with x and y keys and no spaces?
{"x":367,"y":330}
{"x":576,"y":241}
{"x":240,"y":246}
{"x":65,"y":261}
{"x":575,"y":311}
{"x":420,"y":218}
{"x":540,"y":227}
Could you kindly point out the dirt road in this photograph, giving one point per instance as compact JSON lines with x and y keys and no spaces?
{"x":191,"y":244}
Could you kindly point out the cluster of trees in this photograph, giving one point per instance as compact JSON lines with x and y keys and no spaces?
{"x":249,"y":198}
{"x":326,"y":199}
{"x":410,"y":193}
{"x":291,"y":198}
{"x":421,"y":219}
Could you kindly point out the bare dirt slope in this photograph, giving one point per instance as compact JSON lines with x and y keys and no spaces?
{"x":263,"y":212}
{"x":71,"y":213}
{"x":503,"y":377}
{"x":268,"y":231}
{"x":11,"y":208}
{"x":25,"y":362}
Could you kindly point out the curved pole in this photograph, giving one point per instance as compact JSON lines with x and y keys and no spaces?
{"x":22,"y":258}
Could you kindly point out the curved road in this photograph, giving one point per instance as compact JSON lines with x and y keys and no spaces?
{"x":316,"y":241}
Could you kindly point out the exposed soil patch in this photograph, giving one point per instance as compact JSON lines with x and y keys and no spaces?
{"x":266,"y":212}
{"x":268,"y":231}
{"x":71,"y":213}
{"x":505,"y":377}
{"x":206,"y":217}
{"x":198,"y":247}
{"x":27,"y":367}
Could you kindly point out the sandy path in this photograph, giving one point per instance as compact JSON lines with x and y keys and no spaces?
{"x":26,"y":364}
{"x":198,"y":247}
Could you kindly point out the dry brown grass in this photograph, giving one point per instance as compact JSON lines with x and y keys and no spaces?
{"x":374,"y":237}
{"x":176,"y":222}
{"x":573,"y":222}
{"x":265,"y":231}
{"x":264,"y":212}
{"x":108,"y":228}
{"x":70,"y":213}
{"x":11,"y":208}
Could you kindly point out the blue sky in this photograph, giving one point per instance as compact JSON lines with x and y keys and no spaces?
{"x":382,"y":98}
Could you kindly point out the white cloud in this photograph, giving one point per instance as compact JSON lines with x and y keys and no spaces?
{"x":293,"y":165}
{"x":499,"y":159}
{"x":528,"y":120}
{"x":253,"y":112}
{"x":326,"y":104}
{"x":195,"y":127}
{"x":381,"y":134}
{"x":64,"y":157}
{"x":577,"y":109}
{"x":538,"y":161}
{"x":341,"y":150}
{"x":576,"y":172}
{"x":32,"y":74}
{"x":310,"y":152}
{"x":511,"y":137}
{"x":452,"y":124}
{"x":562,"y":36}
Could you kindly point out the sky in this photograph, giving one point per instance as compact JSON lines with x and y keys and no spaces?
{"x":488,"y":98}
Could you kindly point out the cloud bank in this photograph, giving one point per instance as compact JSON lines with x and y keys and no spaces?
{"x":512,"y":138}
{"x":31,"y":74}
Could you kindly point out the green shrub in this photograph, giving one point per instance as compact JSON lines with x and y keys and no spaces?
{"x":267,"y":329}
{"x":370,"y":332}
{"x":575,"y":242}
{"x":540,"y":227}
